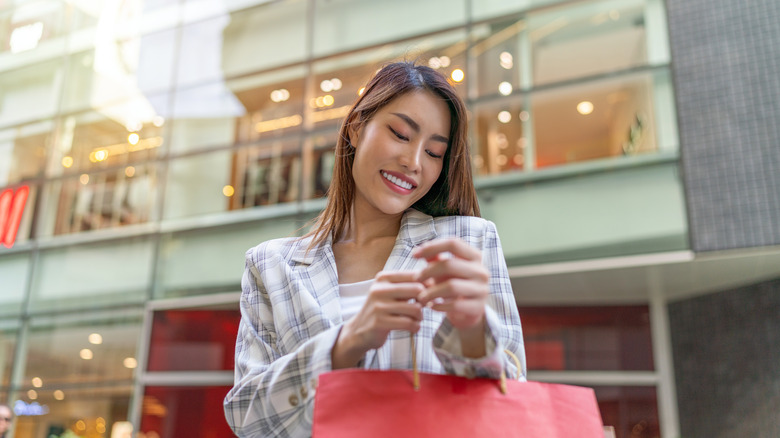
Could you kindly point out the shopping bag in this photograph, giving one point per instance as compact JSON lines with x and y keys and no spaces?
{"x":377,"y":404}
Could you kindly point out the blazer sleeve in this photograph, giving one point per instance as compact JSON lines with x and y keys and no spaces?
{"x":273,"y":394}
{"x":503,"y":331}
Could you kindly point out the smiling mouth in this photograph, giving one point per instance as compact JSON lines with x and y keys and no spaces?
{"x":397,"y":181}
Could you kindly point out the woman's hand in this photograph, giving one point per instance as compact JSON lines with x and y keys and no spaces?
{"x":388,"y":307}
{"x":458,"y":286}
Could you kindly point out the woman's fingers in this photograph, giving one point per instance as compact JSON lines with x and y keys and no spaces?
{"x":456,"y":247}
{"x":454,"y":268}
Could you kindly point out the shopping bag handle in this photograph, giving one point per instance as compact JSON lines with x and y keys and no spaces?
{"x":416,"y":373}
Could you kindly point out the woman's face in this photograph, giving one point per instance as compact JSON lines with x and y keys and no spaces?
{"x":399,"y":153}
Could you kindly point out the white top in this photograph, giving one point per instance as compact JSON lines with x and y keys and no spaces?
{"x":352,"y":296}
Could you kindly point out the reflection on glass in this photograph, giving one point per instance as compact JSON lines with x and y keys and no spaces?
{"x":30,"y":92}
{"x":73,"y":411}
{"x":444,"y":52}
{"x":193,"y":340}
{"x":346,"y":24}
{"x":193,"y":411}
{"x":14,"y":272}
{"x":606,"y":118}
{"x":266,"y":175}
{"x":31,"y":25}
{"x":108,"y":199}
{"x":587,"y":38}
{"x":23,"y":151}
{"x":611,"y":338}
{"x":502,"y":143}
{"x":56,"y":349}
{"x":497,"y":50}
{"x":631,"y":410}
{"x":268,"y":35}
{"x":8,"y":332}
{"x":108,"y":137}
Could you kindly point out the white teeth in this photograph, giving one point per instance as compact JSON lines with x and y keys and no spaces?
{"x":397,"y":181}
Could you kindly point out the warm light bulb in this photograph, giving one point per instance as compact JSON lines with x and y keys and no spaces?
{"x":59,"y":395}
{"x":95,"y":339}
{"x":505,"y":88}
{"x":585,"y":107}
{"x":67,"y":161}
{"x":37,"y":382}
{"x":228,"y":190}
{"x":504,"y":117}
{"x":457,"y":75}
{"x":133,"y":138}
{"x":130,"y":362}
{"x":86,"y":354}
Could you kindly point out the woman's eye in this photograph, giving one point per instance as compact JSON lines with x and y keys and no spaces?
{"x":398,"y":134}
{"x":433,"y":154}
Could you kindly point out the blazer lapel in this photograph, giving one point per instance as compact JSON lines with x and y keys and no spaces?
{"x":317,"y":269}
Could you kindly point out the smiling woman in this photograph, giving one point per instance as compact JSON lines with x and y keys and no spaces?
{"x":399,"y":250}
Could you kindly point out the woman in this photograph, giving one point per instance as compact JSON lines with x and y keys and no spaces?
{"x":399,"y":249}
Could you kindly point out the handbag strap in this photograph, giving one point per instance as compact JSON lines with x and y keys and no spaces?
{"x":416,"y":372}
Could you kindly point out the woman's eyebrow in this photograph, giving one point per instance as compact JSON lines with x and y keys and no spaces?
{"x":416,"y":127}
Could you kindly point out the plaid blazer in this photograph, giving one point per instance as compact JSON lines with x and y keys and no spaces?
{"x":291,"y":317}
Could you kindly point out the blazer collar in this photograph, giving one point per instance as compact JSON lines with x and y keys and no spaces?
{"x":416,"y":228}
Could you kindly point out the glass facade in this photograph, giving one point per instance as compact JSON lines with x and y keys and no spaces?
{"x":144,"y":146}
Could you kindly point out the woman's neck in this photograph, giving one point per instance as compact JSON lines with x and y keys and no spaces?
{"x":368,"y":225}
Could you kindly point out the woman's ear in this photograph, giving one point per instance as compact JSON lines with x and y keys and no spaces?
{"x":353,"y":134}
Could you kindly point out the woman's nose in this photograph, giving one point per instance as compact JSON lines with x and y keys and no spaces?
{"x":412,"y":157}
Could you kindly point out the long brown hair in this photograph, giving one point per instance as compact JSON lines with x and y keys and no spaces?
{"x":453,"y":192}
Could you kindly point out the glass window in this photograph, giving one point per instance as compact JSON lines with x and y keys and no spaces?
{"x":598,"y":119}
{"x":587,"y":38}
{"x":73,"y":411}
{"x":206,"y":117}
{"x":30,"y":25}
{"x":273,"y":104}
{"x":631,"y":410}
{"x":29,"y":92}
{"x":502,"y":137}
{"x":193,"y":266}
{"x":490,"y":8}
{"x":13,"y":270}
{"x":112,"y":198}
{"x":190,"y":411}
{"x":8,"y":332}
{"x":348,"y":24}
{"x":225,"y":180}
{"x":339,"y":80}
{"x":193,"y":340}
{"x":587,"y":338}
{"x":82,"y":349}
{"x":138,"y":69}
{"x":499,"y":50}
{"x":265,"y":36}
{"x":87,"y":276}
{"x":322,"y":156}
{"x":109,"y":137}
{"x":23,"y":151}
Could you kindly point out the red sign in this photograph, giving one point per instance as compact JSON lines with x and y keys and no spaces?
{"x":11,"y":209}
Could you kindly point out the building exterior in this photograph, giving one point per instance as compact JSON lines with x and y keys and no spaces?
{"x":625,"y":149}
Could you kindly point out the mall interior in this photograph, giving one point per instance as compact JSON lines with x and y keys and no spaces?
{"x":625,"y":149}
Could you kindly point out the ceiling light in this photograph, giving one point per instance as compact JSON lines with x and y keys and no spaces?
{"x":95,"y":339}
{"x":457,"y":75}
{"x":504,"y":117}
{"x":585,"y":107}
{"x":505,"y":88}
{"x":505,"y":60}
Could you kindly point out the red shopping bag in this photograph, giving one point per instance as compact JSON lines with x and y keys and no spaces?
{"x":367,"y":403}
